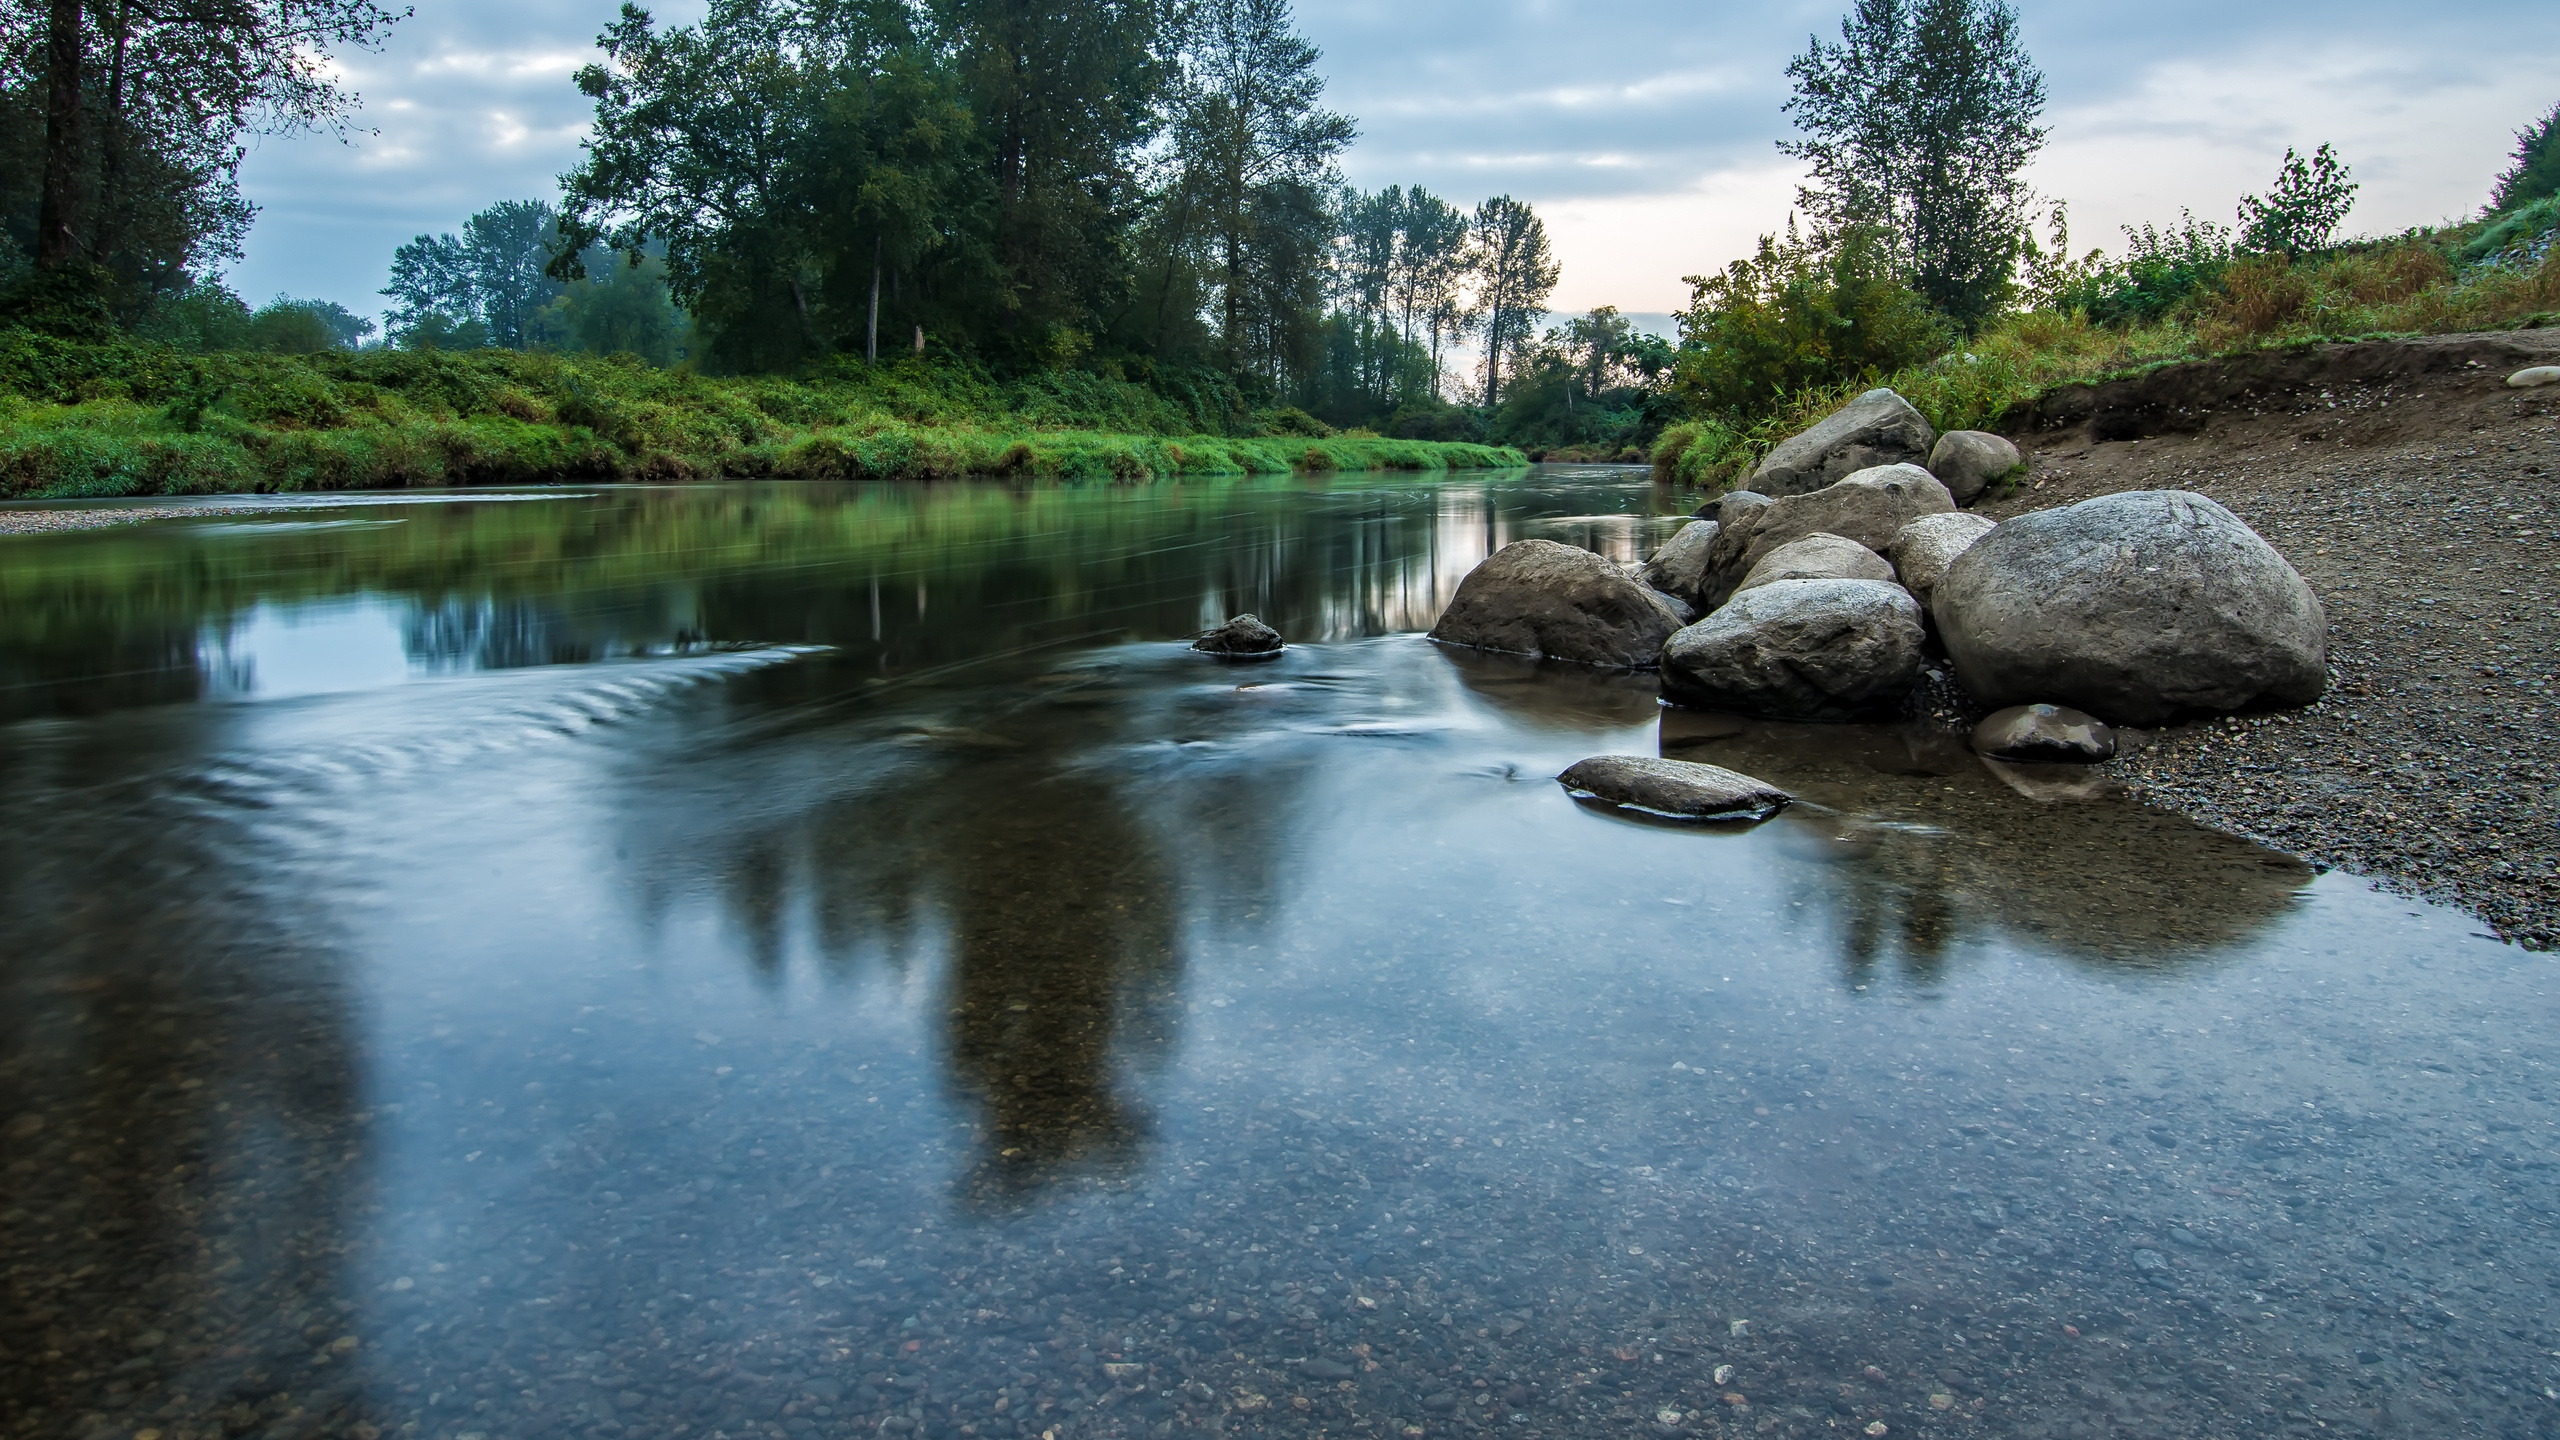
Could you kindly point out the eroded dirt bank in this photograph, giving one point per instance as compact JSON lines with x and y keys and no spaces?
{"x":2416,"y":492}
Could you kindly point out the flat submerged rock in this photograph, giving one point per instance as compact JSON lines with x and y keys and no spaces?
{"x":1676,"y":789}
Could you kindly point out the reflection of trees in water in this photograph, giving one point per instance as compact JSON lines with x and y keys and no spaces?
{"x":179,"y":1081}
{"x":1059,"y":870}
{"x":1923,"y":849}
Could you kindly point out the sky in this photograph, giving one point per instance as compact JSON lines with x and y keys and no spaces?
{"x":1644,"y":132}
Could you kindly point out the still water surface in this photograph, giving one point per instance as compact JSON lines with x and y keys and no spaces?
{"x":783,"y":961}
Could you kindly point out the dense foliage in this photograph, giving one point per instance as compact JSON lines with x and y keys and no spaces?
{"x":124,"y":418}
{"x":2535,"y":173}
{"x":122,"y":124}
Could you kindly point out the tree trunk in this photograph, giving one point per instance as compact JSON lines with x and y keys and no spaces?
{"x":871,"y":333}
{"x":57,"y":244}
{"x":109,"y":230}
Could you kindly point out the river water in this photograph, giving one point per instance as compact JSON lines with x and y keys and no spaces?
{"x":745,"y":960}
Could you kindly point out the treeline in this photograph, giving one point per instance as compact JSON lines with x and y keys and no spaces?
{"x":1124,"y":187}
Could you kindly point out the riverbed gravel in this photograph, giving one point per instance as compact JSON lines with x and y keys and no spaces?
{"x":2421,"y":509}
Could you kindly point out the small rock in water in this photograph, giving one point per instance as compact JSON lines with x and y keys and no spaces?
{"x":2044,"y":732}
{"x":1245,"y":635}
{"x":1679,"y":789}
{"x":2537,"y":375}
{"x":1325,"y":1370}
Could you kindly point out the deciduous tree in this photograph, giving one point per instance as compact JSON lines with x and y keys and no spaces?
{"x":1919,"y":124}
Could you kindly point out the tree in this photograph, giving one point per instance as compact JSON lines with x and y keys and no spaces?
{"x":145,"y":105}
{"x":1256,"y":154}
{"x":783,"y":156}
{"x":2536,"y":171}
{"x":1795,"y":316}
{"x":1515,"y":272}
{"x":435,"y":287}
{"x":1595,"y":345}
{"x":287,"y":326}
{"x":2302,"y":209}
{"x":509,"y":248}
{"x":1063,"y":94}
{"x":1920,"y":124}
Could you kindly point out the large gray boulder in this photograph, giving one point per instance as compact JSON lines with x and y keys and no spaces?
{"x":1817,"y":557}
{"x":2137,"y":607}
{"x":1967,"y":460}
{"x":1679,"y":568}
{"x":1536,"y":597}
{"x":1870,"y":507}
{"x":1877,"y":428}
{"x":1799,"y":650}
{"x":1925,"y":548}
{"x":1680,"y":789}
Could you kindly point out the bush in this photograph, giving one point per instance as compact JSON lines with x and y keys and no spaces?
{"x":2260,"y":295}
{"x":1796,"y":318}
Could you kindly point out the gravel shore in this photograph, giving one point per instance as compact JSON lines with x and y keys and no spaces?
{"x":2419,"y":503}
{"x":52,"y":520}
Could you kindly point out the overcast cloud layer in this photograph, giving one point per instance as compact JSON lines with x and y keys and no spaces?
{"x":1644,"y":131}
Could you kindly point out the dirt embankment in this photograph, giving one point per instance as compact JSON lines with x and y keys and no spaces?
{"x":2420,"y":496}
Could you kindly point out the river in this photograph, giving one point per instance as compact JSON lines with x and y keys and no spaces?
{"x":806,"y":961}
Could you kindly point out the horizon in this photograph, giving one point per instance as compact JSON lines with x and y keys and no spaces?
{"x":1643,"y":173}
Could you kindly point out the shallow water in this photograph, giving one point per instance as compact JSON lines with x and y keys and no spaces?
{"x":803,"y":961}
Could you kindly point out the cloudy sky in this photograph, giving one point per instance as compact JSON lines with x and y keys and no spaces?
{"x":1643,"y":130}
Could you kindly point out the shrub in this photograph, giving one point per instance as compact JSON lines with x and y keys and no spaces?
{"x":2302,"y":209}
{"x":2260,"y":295}
{"x":1799,"y":317}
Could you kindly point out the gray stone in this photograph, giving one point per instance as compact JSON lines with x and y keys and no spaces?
{"x":1733,"y":505}
{"x":1925,"y":548}
{"x":1680,"y":566}
{"x":1817,"y":557}
{"x":1244,"y":637}
{"x":1799,"y":650}
{"x":1877,"y":428}
{"x":2537,"y":375}
{"x":1870,"y":507}
{"x":1967,"y":460}
{"x":1536,"y":597}
{"x":2136,"y":607}
{"x":1681,"y":789}
{"x":2044,"y":732}
{"x":1323,"y":1369}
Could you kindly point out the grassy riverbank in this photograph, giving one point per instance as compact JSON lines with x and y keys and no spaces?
{"x":2421,"y":284}
{"x":124,"y":418}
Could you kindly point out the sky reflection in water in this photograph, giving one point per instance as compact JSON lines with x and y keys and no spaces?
{"x":795,"y":961}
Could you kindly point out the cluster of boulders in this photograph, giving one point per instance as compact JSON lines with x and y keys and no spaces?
{"x":1821,"y":590}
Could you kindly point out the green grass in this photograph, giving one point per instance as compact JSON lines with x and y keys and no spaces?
{"x":84,"y":420}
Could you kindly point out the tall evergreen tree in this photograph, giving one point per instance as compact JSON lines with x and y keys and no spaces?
{"x":1515,"y":272}
{"x":1920,"y":123}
